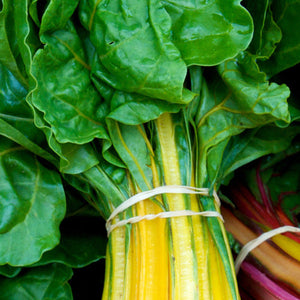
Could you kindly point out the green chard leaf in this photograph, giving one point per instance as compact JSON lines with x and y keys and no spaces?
{"x":16,"y":119}
{"x":13,"y":107}
{"x":267,"y":34}
{"x":67,"y":108}
{"x":48,"y":282}
{"x":246,"y":101}
{"x":19,"y":40}
{"x":29,"y":224}
{"x":155,"y":69}
{"x":209,"y":32}
{"x":253,"y":144}
{"x":11,"y":41}
{"x":133,"y":109}
{"x":64,"y":92}
{"x":129,"y":142}
{"x":17,"y":113}
{"x":57,"y":14}
{"x":287,"y":52}
{"x":109,"y":192}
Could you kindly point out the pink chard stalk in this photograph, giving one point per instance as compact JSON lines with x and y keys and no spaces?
{"x":264,"y":198}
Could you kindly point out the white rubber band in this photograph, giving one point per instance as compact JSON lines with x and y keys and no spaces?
{"x":164,"y":215}
{"x":247,"y":248}
{"x":168,"y":189}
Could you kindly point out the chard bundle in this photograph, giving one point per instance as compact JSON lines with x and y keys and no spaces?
{"x":266,"y":197}
{"x":104,"y":100}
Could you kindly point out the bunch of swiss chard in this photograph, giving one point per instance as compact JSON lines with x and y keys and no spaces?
{"x":101,"y":100}
{"x":266,"y":197}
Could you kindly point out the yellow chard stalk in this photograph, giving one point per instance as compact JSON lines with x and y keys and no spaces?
{"x":174,"y":258}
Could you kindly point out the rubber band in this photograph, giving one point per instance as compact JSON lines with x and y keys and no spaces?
{"x":247,"y":248}
{"x":164,"y":215}
{"x":168,"y":189}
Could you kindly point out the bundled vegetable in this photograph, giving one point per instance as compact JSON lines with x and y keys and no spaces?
{"x":269,"y":200}
{"x":105,"y":100}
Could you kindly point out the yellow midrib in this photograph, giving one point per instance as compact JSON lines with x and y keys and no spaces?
{"x":201,"y":247}
{"x":152,"y":249}
{"x":181,"y":235}
{"x":118,"y":264}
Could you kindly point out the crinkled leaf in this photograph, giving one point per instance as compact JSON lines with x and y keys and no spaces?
{"x":73,"y":158}
{"x":287,"y":53}
{"x":32,"y":206}
{"x":82,"y":243}
{"x":255,"y":96}
{"x":64,"y":92}
{"x":42,"y":283}
{"x":246,"y":101}
{"x":16,"y":119}
{"x":18,"y":39}
{"x":15,"y":111}
{"x":209,"y":32}
{"x":16,"y":123}
{"x":154,"y":68}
